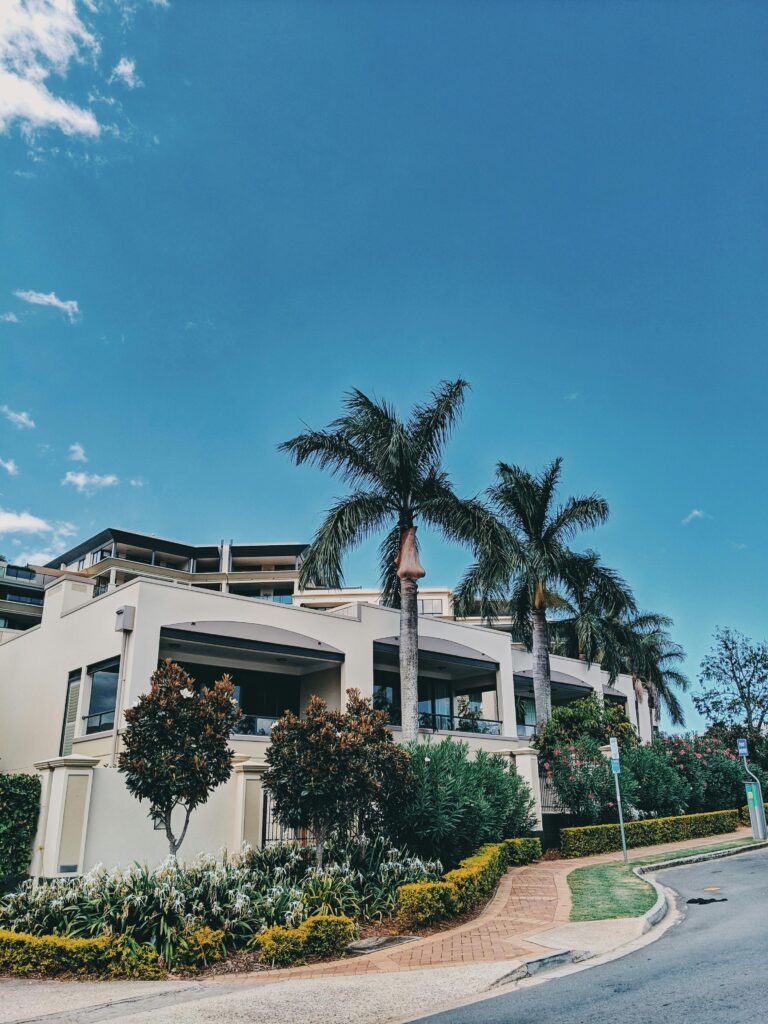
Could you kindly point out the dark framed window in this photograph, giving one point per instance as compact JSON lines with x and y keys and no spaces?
{"x":101,"y":706}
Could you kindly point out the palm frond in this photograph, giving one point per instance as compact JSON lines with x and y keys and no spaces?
{"x":350,"y":521}
{"x":431,"y":423}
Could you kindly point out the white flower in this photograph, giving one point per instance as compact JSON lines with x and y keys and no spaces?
{"x":186,"y":693}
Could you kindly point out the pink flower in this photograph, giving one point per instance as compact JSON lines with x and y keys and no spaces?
{"x":698,"y":756}
{"x":546,"y":764}
{"x":556,"y":753}
{"x":610,"y":803}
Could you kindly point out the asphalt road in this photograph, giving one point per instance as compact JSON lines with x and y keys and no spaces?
{"x":711,"y":968}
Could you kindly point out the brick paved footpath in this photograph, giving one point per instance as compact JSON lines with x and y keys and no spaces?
{"x":528,"y":900}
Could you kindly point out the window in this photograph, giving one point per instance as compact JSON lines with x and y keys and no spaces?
{"x":101,"y":707}
{"x":430,"y":605}
{"x":70,"y":713}
{"x":81,"y":563}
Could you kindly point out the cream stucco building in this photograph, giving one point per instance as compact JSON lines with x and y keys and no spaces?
{"x":65,"y":682}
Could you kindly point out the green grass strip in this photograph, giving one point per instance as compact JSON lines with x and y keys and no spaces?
{"x":608,"y":890}
{"x":691,"y":851}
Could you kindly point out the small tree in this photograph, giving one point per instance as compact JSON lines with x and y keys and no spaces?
{"x":176,"y":745}
{"x":736,"y":670}
{"x":332,"y":771}
{"x":588,"y":718}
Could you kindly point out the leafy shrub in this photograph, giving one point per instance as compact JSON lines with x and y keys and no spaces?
{"x":476,"y":876}
{"x":584,"y":782}
{"x":49,"y":955}
{"x":202,"y":947}
{"x":425,"y":903}
{"x":523,"y":851}
{"x":455,"y":803}
{"x":19,"y":809}
{"x":330,"y":891}
{"x":581,"y":842}
{"x":319,"y":937}
{"x":588,"y":718}
{"x":744,"y":814}
{"x":710,"y":770}
{"x":660,"y":789}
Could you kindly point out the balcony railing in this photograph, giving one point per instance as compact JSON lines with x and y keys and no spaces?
{"x":526,"y":732}
{"x":23,"y":599}
{"x":14,"y":572}
{"x":255,"y":725}
{"x":457,"y":723}
{"x":99,"y":722}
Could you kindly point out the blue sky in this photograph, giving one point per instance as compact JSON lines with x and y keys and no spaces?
{"x":215,"y":219}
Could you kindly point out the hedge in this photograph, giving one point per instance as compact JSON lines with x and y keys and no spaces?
{"x":19,"y":810}
{"x":323,"y":937}
{"x":422,"y":904}
{"x":581,"y":842}
{"x":49,"y":955}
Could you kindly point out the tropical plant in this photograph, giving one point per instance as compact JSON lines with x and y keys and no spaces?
{"x":582,"y":777}
{"x":535,"y":572}
{"x":455,"y":803}
{"x":661,"y":791}
{"x":711,"y":771}
{"x":335,"y":771}
{"x":589,"y":718}
{"x":175,"y":750}
{"x":395,"y":469}
{"x":736,"y":670}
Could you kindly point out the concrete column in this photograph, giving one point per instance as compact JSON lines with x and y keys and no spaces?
{"x":63,"y":823}
{"x":248,"y":824}
{"x":527,"y":767}
{"x":112,"y":578}
{"x":505,"y":690}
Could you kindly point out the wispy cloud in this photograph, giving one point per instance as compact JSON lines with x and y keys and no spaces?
{"x":38,"y":40}
{"x":22,"y":420}
{"x":68,"y":306}
{"x":9,"y":466}
{"x":572,"y":396}
{"x":694,"y":514}
{"x":8,"y":318}
{"x":77,"y":453}
{"x":736,"y":545}
{"x":22,"y":522}
{"x":60,"y":535}
{"x":125,"y":71}
{"x":87,"y":483}
{"x":138,"y":481}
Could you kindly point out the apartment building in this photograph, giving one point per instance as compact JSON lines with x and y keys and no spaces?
{"x":21,"y":597}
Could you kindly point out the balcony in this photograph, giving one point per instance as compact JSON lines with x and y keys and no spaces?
{"x":456,"y":723}
{"x":24,"y":599}
{"x":99,"y":722}
{"x":255,"y":725}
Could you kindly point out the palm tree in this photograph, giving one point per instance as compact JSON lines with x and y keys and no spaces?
{"x":639,"y":645}
{"x":394,"y":467}
{"x":537,"y":572}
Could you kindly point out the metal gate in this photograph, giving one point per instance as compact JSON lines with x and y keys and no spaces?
{"x":272,"y":831}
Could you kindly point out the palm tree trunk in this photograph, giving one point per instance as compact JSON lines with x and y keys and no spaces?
{"x":409,"y":659}
{"x":542,"y":685}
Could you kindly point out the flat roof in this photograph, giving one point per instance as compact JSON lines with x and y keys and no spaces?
{"x":173,"y":547}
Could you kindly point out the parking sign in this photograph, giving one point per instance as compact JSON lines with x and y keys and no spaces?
{"x":742,"y":745}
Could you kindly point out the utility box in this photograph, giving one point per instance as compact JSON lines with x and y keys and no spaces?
{"x":124,"y":618}
{"x":756,"y":809}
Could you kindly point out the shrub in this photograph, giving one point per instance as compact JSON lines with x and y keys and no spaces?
{"x":660,"y":789}
{"x":476,"y":876}
{"x":200,"y":948}
{"x":588,"y":718}
{"x":584,"y":782}
{"x":710,"y":770}
{"x":425,"y":903}
{"x":581,"y":842}
{"x":49,"y":955}
{"x":454,"y":803}
{"x":319,"y":937}
{"x":523,"y":851}
{"x":19,"y":809}
{"x":744,"y":814}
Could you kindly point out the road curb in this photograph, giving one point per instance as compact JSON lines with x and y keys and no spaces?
{"x":698,"y":858}
{"x":536,"y":964}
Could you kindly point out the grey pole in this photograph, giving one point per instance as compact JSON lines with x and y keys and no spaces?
{"x":621,"y":817}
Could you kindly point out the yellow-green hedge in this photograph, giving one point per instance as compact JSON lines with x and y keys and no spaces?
{"x":422,"y":904}
{"x":50,"y":955}
{"x":581,"y":842}
{"x":323,"y":936}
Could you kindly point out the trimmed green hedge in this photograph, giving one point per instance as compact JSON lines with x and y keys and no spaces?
{"x":581,"y":842}
{"x":19,"y":810}
{"x":426,"y":903}
{"x":49,"y":955}
{"x":323,"y":937}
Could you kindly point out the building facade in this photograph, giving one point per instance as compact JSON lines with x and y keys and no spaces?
{"x":108,"y":619}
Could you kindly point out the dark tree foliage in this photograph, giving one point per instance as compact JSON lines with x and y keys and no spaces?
{"x":175,"y":747}
{"x":19,"y":809}
{"x":335,"y":771}
{"x":733,"y":681}
{"x":588,"y":718}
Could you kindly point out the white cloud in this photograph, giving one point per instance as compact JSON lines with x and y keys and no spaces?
{"x":8,"y":318}
{"x":77,"y":453}
{"x":9,"y":466}
{"x":125,"y":72}
{"x":138,"y":481}
{"x":21,"y":420}
{"x":22,"y":522}
{"x":38,"y":39}
{"x":695,"y":513}
{"x":87,"y":483}
{"x":68,"y":306}
{"x":61,"y":533}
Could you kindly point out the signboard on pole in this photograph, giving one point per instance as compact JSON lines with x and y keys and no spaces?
{"x":742,"y":745}
{"x":615,"y":765}
{"x":616,"y":769}
{"x":614,"y":748}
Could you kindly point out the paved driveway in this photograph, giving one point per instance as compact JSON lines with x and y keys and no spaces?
{"x":709,"y":969}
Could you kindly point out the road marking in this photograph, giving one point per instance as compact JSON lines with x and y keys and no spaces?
{"x":711,"y":888}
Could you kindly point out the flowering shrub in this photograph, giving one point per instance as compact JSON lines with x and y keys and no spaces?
{"x":710,"y":770}
{"x":584,"y":782}
{"x":661,"y":789}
